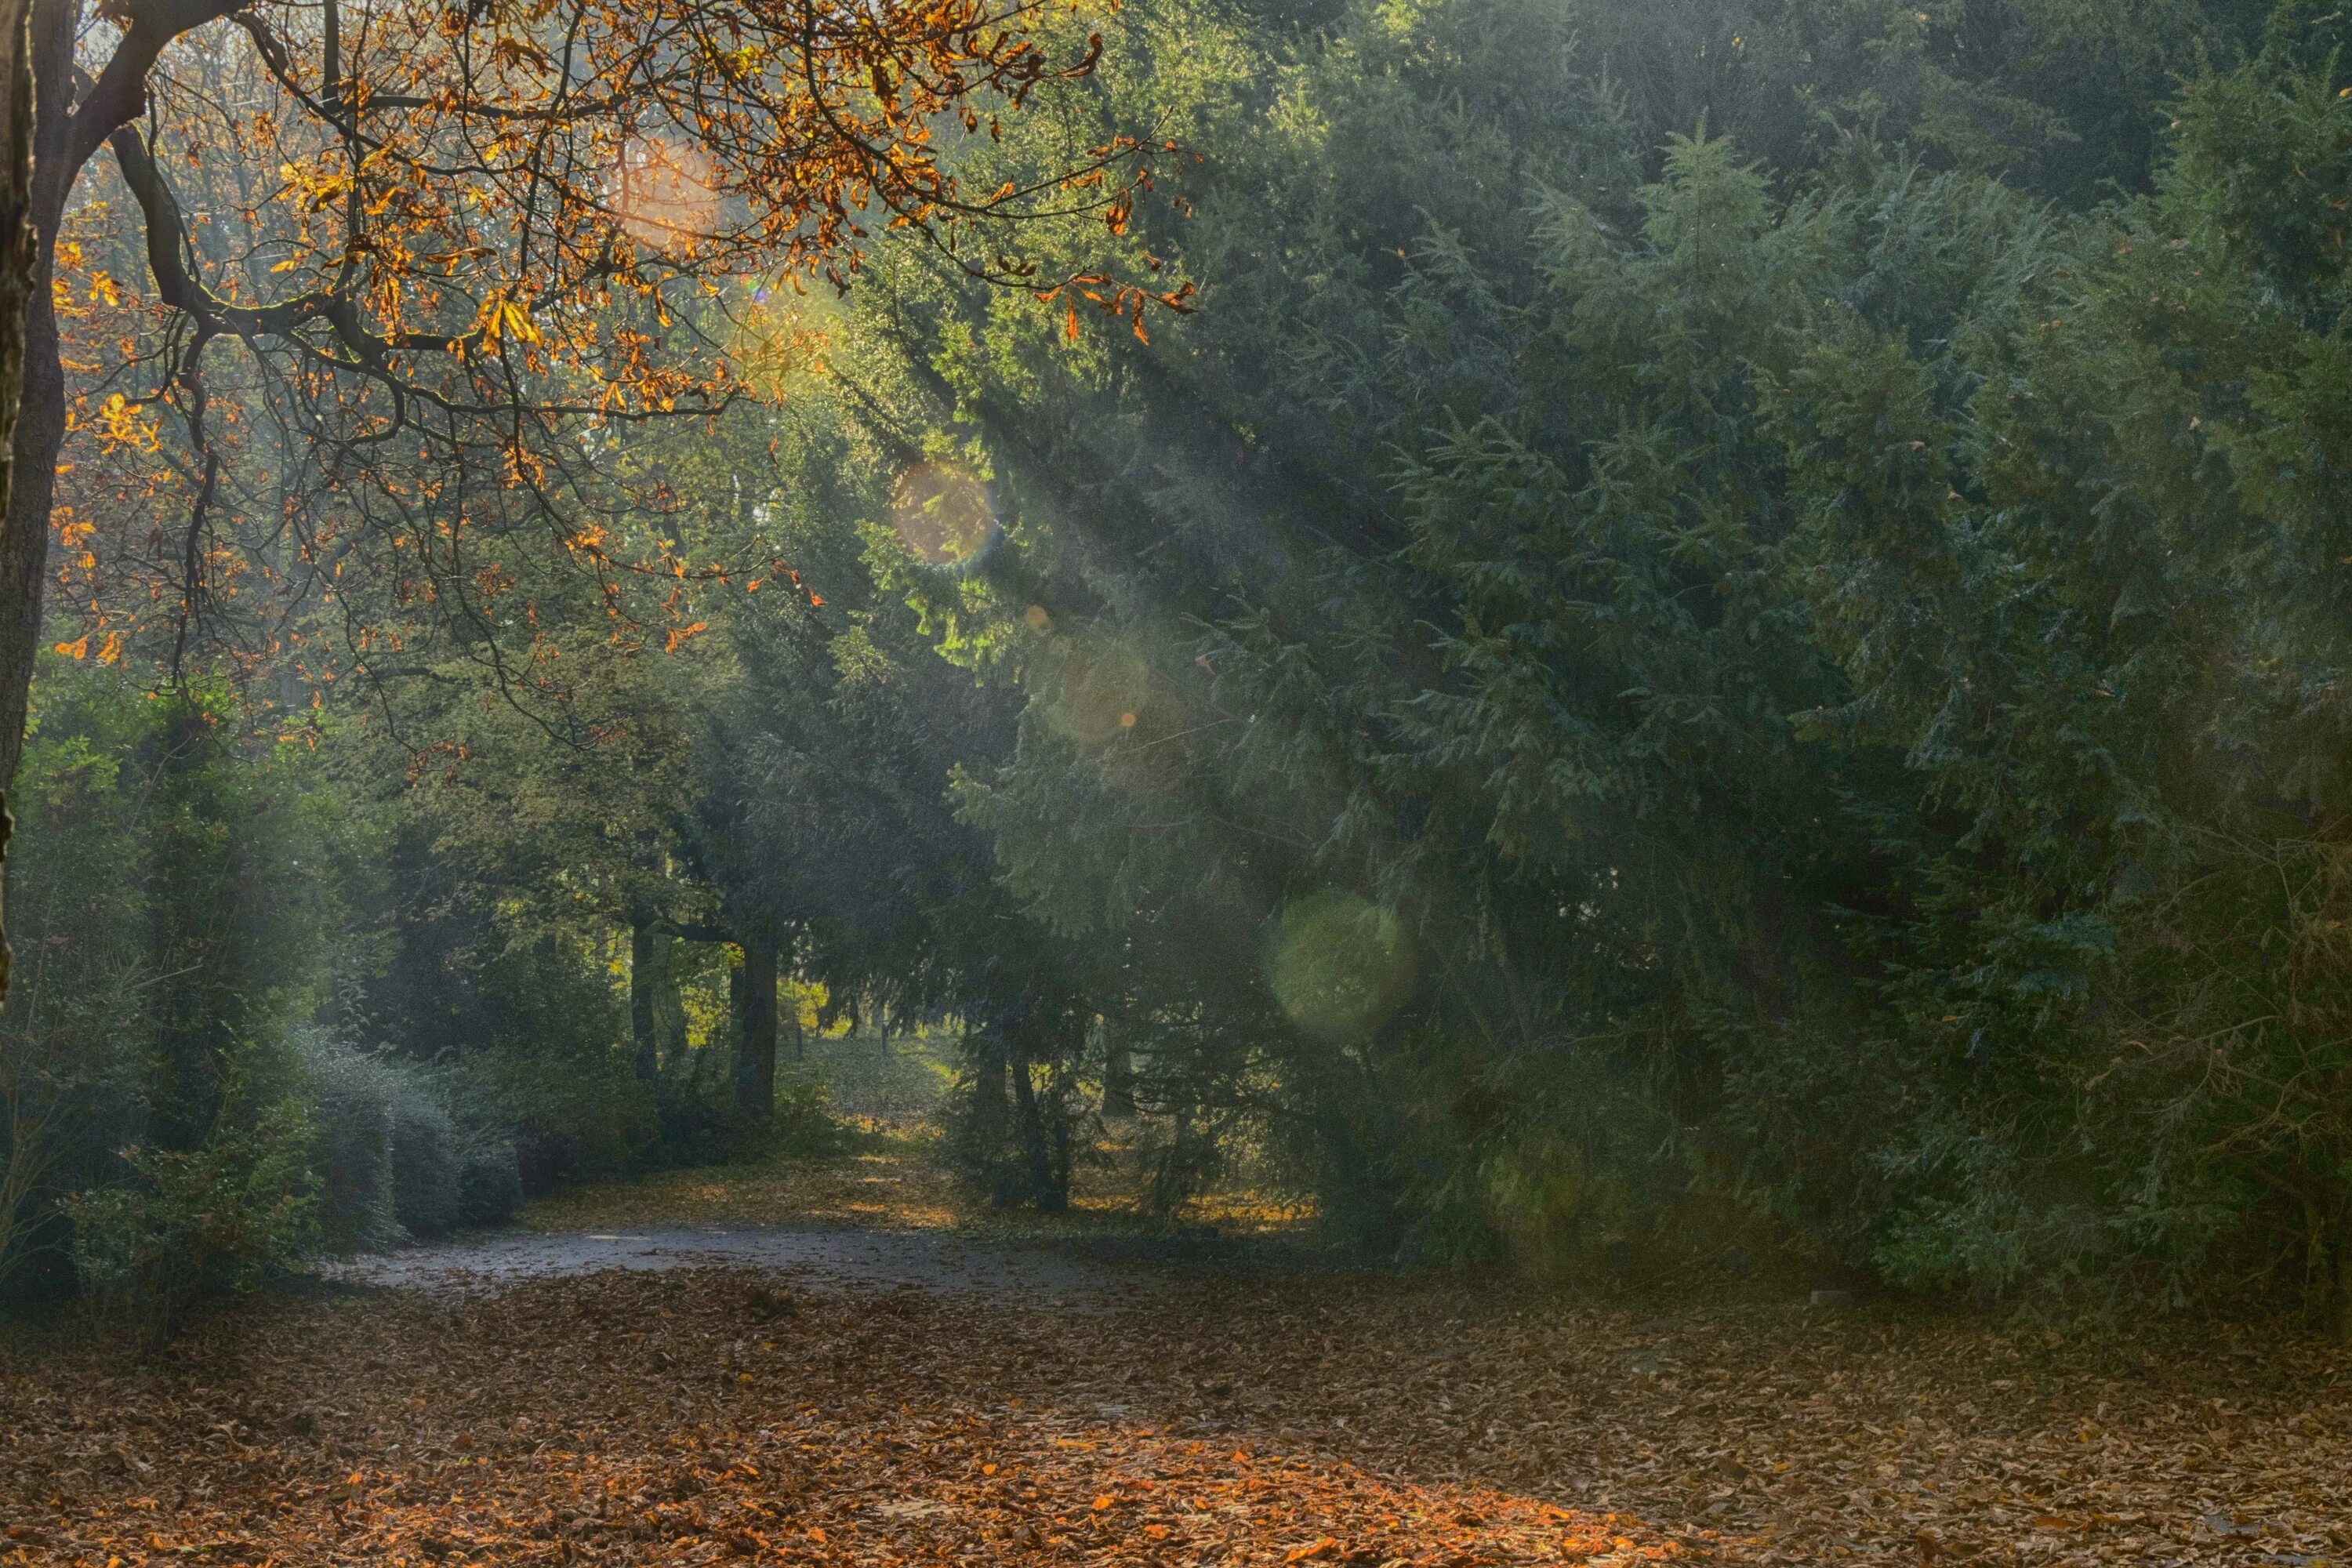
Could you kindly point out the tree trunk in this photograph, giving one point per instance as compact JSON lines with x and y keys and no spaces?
{"x":27,"y":343}
{"x":641,"y":1033}
{"x":1119,"y":1069}
{"x":989,"y":1129}
{"x":755,"y":1075}
{"x":739,"y":1059}
{"x":1037,"y":1152}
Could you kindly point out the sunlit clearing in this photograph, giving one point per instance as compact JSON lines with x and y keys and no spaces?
{"x":666,"y":192}
{"x":1336,"y":964}
{"x":943,"y":513}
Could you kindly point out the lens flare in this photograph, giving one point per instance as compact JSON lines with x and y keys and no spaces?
{"x":943,"y":513}
{"x":1100,"y":694}
{"x":1336,"y":964}
{"x":665,"y":194}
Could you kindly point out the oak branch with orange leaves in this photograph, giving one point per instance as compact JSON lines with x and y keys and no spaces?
{"x":458,"y":234}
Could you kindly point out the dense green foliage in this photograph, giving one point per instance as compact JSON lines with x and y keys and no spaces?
{"x":1761,"y":627}
{"x":1718,"y":639}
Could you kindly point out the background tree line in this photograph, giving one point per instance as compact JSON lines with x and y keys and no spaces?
{"x":1714,"y":643}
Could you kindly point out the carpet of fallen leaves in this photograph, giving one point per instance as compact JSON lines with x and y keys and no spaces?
{"x":720,"y":1417}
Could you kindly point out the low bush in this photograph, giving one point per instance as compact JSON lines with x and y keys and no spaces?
{"x":395,"y":1157}
{"x":351,"y":1117}
{"x":221,"y":1218}
{"x":573,"y":1117}
{"x":489,"y":1178}
{"x":805,"y":1123}
{"x":700,"y":1123}
{"x":585,"y":1116}
{"x":424,"y":1156}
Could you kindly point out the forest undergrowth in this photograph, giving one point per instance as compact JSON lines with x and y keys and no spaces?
{"x":887,"y":1166}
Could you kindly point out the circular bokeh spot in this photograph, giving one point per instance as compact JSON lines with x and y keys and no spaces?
{"x":666,"y":194}
{"x":1336,"y":964}
{"x":942,"y":514}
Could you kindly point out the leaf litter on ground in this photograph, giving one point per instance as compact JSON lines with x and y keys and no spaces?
{"x":717,"y":1416}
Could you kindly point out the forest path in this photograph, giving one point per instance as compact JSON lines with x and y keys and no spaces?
{"x":826,"y":1257}
{"x":694,"y":1415}
{"x":868,"y":1381}
{"x":887,"y":1216}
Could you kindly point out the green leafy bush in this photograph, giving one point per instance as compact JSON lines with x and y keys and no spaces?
{"x":803,"y":1124}
{"x":427,"y":1157}
{"x":221,"y":1218}
{"x":574,"y":1114}
{"x":352,"y":1100}
{"x":395,"y":1159}
{"x":489,"y":1178}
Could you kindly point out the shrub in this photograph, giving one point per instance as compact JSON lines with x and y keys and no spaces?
{"x":571,"y":1116}
{"x":220,"y":1217}
{"x":425,"y":1155}
{"x":803,"y":1124}
{"x":395,"y":1159}
{"x":696,"y":1119}
{"x":489,"y":1179}
{"x":351,"y":1115}
{"x":352,"y":1108}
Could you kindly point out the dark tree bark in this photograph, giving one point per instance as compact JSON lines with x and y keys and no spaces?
{"x":755,"y":1073}
{"x":642,"y":1032}
{"x":1119,"y":1069}
{"x":738,"y":1054}
{"x":1037,"y":1153}
{"x":23,"y":281}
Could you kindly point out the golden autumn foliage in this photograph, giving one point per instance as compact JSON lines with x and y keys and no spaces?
{"x":387,"y":288}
